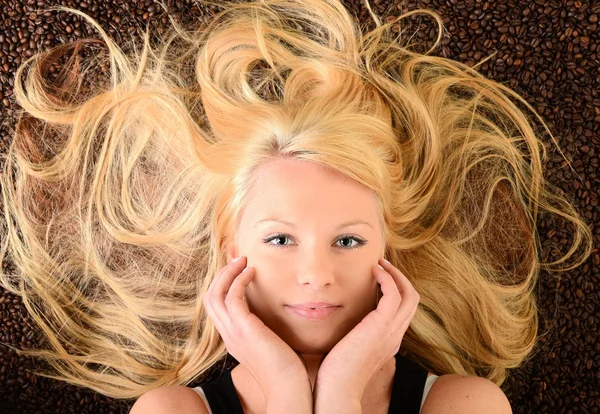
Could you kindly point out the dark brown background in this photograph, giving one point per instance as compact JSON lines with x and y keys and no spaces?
{"x":548,"y":51}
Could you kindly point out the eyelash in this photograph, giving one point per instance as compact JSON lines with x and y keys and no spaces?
{"x":359,"y":241}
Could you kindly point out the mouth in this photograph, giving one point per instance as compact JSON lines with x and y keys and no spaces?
{"x":315,"y":305}
{"x":312,"y":313}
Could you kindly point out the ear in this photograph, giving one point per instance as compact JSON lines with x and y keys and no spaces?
{"x":231,"y":252}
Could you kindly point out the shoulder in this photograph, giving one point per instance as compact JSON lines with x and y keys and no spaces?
{"x":465,"y":394}
{"x":169,"y":400}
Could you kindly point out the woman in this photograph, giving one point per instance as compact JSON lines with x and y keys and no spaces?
{"x":125,"y":204}
{"x":312,"y":211}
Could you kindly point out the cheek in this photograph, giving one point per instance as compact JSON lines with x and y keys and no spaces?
{"x":367,"y":284}
{"x":364,"y":286}
{"x":267,"y":279}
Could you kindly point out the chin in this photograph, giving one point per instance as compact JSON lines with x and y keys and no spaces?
{"x":307,"y":338}
{"x":311,"y":349}
{"x":306,"y":341}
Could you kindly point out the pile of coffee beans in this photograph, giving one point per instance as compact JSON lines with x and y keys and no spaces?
{"x":548,"y":51}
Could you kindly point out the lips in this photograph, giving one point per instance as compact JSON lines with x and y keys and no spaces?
{"x":313,"y":313}
{"x":315,"y":305}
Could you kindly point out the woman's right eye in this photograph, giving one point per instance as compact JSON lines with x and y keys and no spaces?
{"x":276,"y":237}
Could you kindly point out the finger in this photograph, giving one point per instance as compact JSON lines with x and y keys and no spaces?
{"x":410,"y":297}
{"x":390,"y":301}
{"x":404,"y":322}
{"x":412,"y":314}
{"x":222,"y":284}
{"x":214,"y":318}
{"x":236,"y":306}
{"x":207,"y":302}
{"x":406,"y":289}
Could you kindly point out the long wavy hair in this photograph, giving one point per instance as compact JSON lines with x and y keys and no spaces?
{"x":119,"y":196}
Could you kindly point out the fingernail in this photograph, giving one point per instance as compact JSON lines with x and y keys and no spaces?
{"x":236,"y":259}
{"x":246,"y":268}
{"x":379,"y":266}
{"x":386,"y":261}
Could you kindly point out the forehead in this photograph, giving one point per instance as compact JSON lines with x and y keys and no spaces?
{"x":307,"y":189}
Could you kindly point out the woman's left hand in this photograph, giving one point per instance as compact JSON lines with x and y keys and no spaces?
{"x":349,"y":366}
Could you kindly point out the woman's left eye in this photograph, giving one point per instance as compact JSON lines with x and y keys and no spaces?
{"x":359,"y":241}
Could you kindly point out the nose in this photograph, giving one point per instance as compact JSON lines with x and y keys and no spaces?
{"x":315,"y":270}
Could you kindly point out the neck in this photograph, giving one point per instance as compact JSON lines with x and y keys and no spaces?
{"x":313,"y":361}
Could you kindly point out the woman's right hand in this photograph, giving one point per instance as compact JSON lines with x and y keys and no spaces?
{"x":263,"y":353}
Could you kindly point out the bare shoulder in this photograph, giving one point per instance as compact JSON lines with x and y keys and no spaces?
{"x":170,"y":400}
{"x":465,"y":394}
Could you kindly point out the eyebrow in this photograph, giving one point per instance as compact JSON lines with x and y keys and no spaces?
{"x":287,"y":223}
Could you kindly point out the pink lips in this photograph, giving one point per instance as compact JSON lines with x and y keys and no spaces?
{"x":313,"y":314}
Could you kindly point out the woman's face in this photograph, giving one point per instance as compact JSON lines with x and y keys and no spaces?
{"x":313,"y":258}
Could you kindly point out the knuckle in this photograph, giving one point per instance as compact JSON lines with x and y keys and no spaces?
{"x":229,"y":300}
{"x":210,"y":302}
{"x":208,"y":298}
{"x":414,"y":294}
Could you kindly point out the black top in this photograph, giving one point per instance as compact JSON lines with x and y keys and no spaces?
{"x":409,"y":383}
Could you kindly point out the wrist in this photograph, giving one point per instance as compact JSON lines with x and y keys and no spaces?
{"x":352,"y":390}
{"x":296,"y":398}
{"x":330,"y":399}
{"x":336,"y":403}
{"x":292,"y":404}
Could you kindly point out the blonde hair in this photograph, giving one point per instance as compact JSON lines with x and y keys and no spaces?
{"x":119,"y":197}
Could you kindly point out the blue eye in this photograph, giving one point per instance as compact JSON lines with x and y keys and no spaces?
{"x":359,"y":241}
